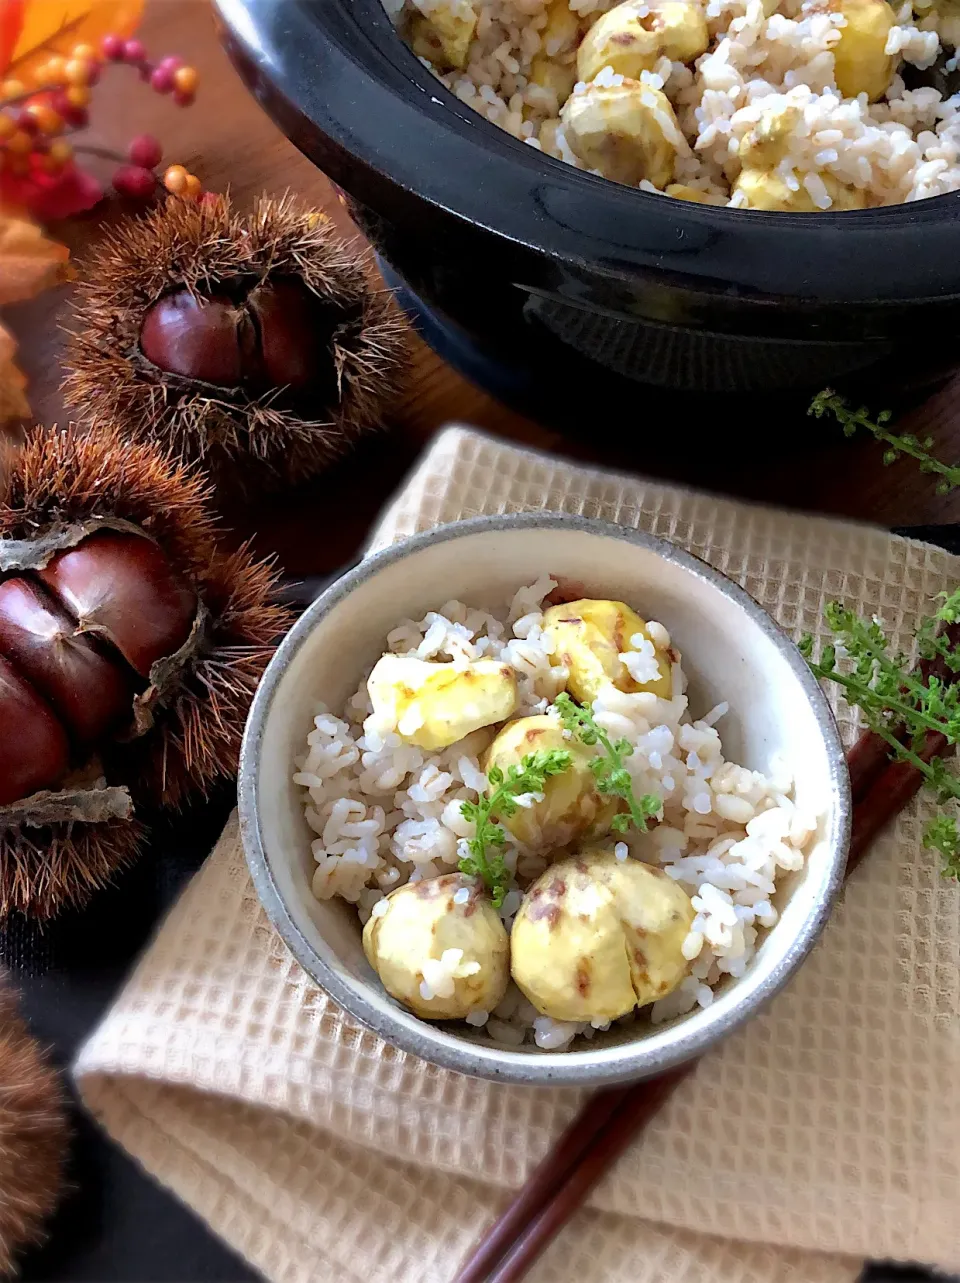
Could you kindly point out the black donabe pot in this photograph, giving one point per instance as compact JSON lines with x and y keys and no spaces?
{"x":559,"y":278}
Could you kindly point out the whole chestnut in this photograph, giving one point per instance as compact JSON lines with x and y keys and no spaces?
{"x":90,"y":693}
{"x":269,"y":336}
{"x":259,"y":344}
{"x":293,"y":327}
{"x":34,"y":752}
{"x":195,"y":338}
{"x":122,"y":588}
{"x":74,"y":649}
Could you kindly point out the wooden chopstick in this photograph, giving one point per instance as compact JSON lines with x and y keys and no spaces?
{"x":893,"y":787}
{"x":597,"y":1136}
{"x":544,"y":1182}
{"x":642,"y":1102}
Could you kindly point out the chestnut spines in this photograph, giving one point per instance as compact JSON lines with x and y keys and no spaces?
{"x":122,"y":587}
{"x":90,"y":693}
{"x":34,"y":751}
{"x":34,"y":1134}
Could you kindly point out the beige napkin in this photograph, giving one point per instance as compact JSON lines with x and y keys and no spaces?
{"x":825,"y":1132}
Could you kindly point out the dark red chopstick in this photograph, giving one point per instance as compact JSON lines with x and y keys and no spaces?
{"x":643,"y":1100}
{"x":599,"y":1134}
{"x":896,"y":784}
{"x":544,"y":1182}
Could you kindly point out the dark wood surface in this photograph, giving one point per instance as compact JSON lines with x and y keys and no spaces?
{"x":771,"y":452}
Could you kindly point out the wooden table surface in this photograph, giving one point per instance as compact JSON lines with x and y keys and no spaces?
{"x":228,"y":141}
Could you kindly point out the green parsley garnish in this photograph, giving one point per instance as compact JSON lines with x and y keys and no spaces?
{"x":894,"y":698}
{"x":898,"y":444}
{"x":529,"y":777}
{"x":608,"y":768}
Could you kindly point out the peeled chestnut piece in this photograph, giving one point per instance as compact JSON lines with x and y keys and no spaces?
{"x":91,"y":694}
{"x":275,"y":335}
{"x":123,"y":588}
{"x":34,"y":752}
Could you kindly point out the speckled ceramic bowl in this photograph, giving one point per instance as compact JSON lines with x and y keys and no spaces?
{"x":732,"y":651}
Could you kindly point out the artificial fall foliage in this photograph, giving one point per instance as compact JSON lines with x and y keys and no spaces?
{"x":29,"y":263}
{"x":33,"y":30}
{"x":53,"y":53}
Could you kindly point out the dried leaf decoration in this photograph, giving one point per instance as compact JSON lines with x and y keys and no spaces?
{"x":29,"y":264}
{"x":29,"y":261}
{"x":32,"y":30}
{"x":11,"y":21}
{"x":13,"y":401}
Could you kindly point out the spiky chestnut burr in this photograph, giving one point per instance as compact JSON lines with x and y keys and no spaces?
{"x":33,"y":1134}
{"x":258,"y":344}
{"x":130,"y":647}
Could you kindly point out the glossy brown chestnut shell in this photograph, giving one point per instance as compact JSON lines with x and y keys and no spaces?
{"x":123,"y":588}
{"x":104,"y":611}
{"x":130,"y":647}
{"x":34,"y":749}
{"x":89,"y":692}
{"x":272,"y":337}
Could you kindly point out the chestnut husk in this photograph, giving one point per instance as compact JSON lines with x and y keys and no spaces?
{"x":221,"y":302}
{"x":64,"y":491}
{"x":33,"y":1134}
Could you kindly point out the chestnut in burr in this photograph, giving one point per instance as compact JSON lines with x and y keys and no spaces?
{"x":260,"y":343}
{"x":130,"y":647}
{"x":122,"y":588}
{"x":89,"y":692}
{"x":34,"y":750}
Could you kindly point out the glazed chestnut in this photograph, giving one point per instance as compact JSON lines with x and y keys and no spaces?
{"x":90,"y":693}
{"x":122,"y":588}
{"x":271,"y":336}
{"x":34,"y":752}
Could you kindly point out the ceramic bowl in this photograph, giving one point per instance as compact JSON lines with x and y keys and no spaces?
{"x":732,"y":651}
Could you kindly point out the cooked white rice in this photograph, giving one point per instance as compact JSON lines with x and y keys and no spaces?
{"x":386,"y":813}
{"x":901,"y":148}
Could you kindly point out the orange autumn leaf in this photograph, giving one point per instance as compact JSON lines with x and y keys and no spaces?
{"x":11,"y":19}
{"x":29,"y":261}
{"x":48,"y":27}
{"x":13,"y":383}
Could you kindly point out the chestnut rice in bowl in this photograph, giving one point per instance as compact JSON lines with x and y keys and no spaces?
{"x":786,"y":105}
{"x":569,"y":818}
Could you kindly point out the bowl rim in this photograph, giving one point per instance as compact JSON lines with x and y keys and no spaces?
{"x":428,"y":1041}
{"x":346,"y":98}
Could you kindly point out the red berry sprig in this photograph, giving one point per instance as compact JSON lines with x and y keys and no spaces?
{"x":37,"y":163}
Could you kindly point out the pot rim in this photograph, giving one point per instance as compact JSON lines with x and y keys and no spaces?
{"x":345,"y":89}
